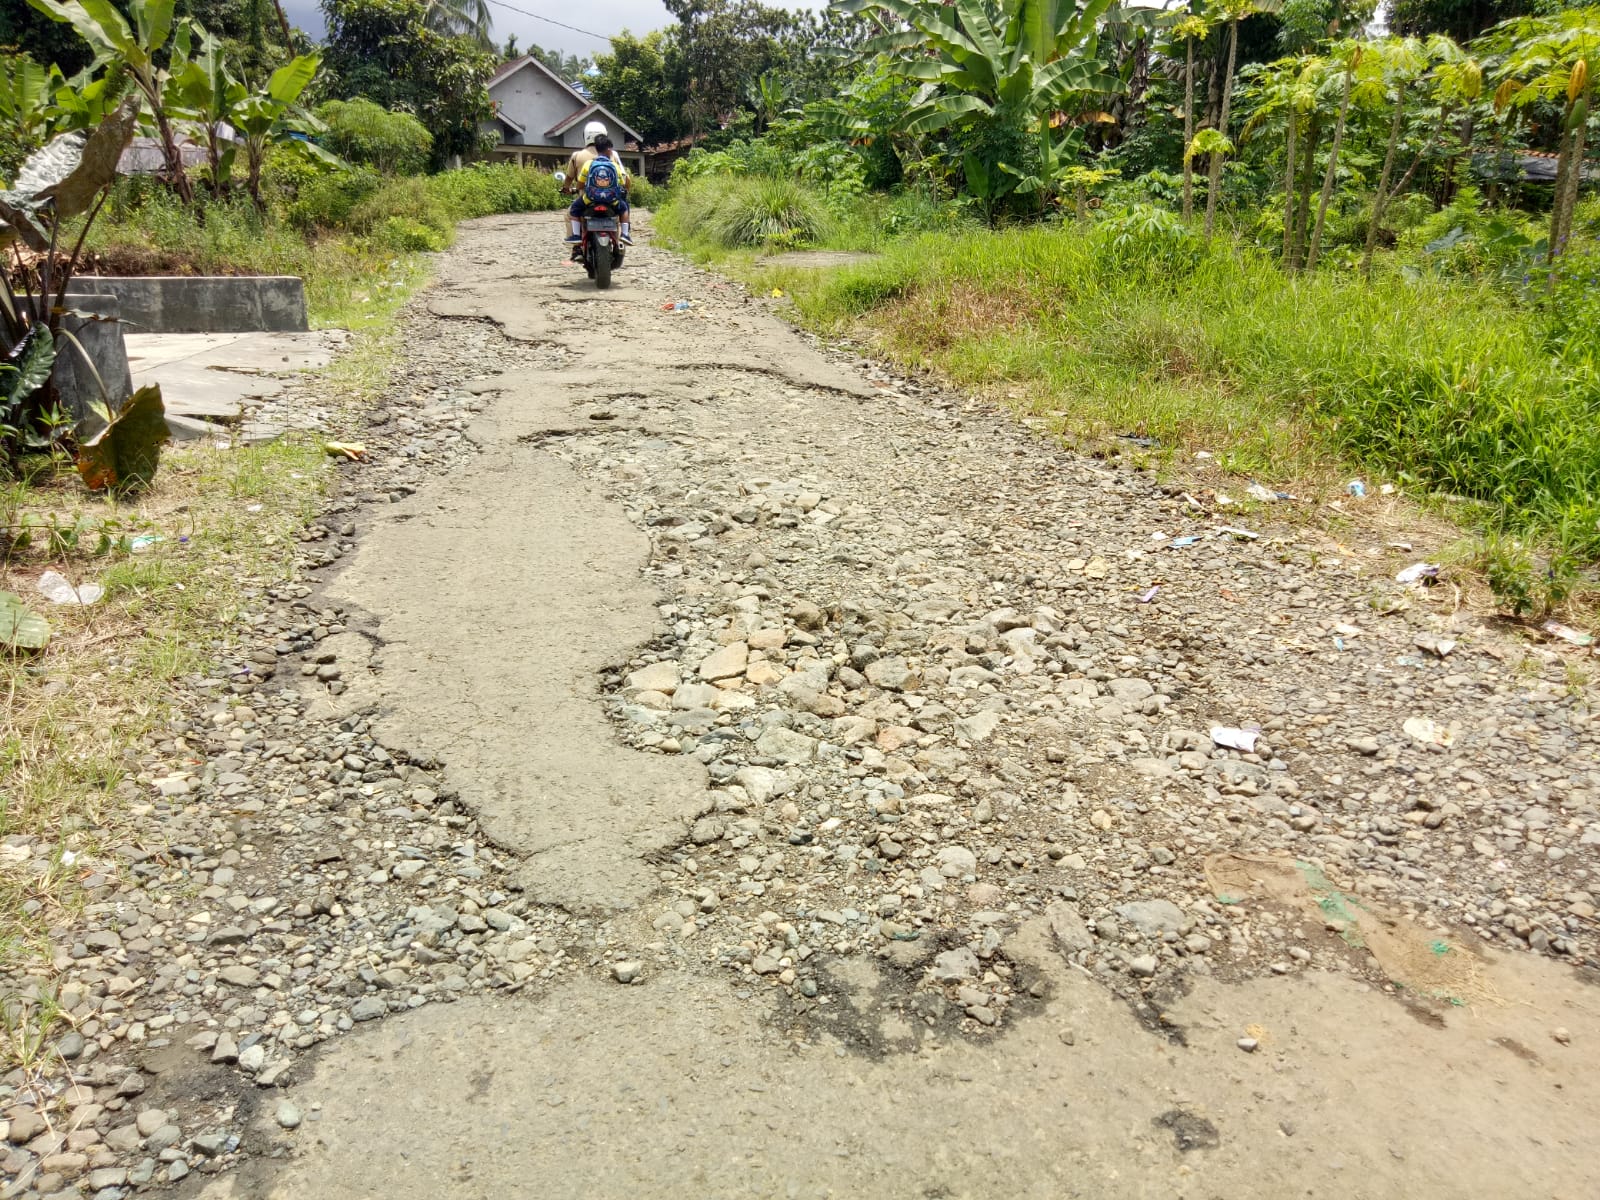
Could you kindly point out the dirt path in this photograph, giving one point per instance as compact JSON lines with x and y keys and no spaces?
{"x":718,"y":767}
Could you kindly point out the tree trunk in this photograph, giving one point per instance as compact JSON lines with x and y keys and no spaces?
{"x":174,"y":157}
{"x":1214,"y":183}
{"x":1380,"y":199}
{"x":1574,"y":184}
{"x":1083,"y":204}
{"x":1327,"y":179}
{"x":1307,"y":174}
{"x":283,"y":23}
{"x":1139,"y":81}
{"x":255,"y":156}
{"x":1188,"y":129}
{"x":1288,"y":193}
{"x":1569,"y":168}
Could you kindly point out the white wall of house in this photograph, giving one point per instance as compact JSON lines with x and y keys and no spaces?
{"x":534,"y":101}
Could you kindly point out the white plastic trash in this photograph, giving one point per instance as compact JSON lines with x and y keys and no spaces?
{"x":53,"y":586}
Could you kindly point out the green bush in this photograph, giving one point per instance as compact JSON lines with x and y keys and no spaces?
{"x":484,"y":189}
{"x":406,"y":234}
{"x":644,"y":194}
{"x":327,"y":201}
{"x":729,"y":211}
{"x":369,"y":135}
{"x":410,"y":199}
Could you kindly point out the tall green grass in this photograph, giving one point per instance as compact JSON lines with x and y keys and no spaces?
{"x":733,"y":211}
{"x":1451,"y":384}
{"x":350,"y":234}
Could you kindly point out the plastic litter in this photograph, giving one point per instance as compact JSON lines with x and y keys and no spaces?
{"x":54,"y":587}
{"x":1235,"y":739}
{"x":1568,"y":634}
{"x":777,"y":293}
{"x":1178,"y":543}
{"x":1148,"y":594}
{"x":1434,"y":644}
{"x":1428,"y":731}
{"x":144,"y":541}
{"x":1243,"y":535}
{"x":1141,"y":440}
{"x":1417,"y":572}
{"x":1357,"y":489}
{"x":677,"y":306}
{"x":1256,"y":492}
{"x":354,"y":451}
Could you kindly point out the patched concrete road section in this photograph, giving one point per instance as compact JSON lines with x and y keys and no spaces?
{"x":851,"y":717}
{"x":500,"y":594}
{"x":675,"y":1087}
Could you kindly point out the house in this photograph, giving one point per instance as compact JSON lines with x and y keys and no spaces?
{"x":539,"y":118}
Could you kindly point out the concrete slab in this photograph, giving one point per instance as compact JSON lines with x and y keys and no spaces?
{"x":206,"y":304}
{"x":209,"y":380}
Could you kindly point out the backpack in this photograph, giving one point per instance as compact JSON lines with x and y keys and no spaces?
{"x":603,"y":185}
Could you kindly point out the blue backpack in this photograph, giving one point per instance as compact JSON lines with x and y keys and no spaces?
{"x":603,"y":184}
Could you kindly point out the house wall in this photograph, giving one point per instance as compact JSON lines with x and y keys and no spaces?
{"x":534,"y":101}
{"x":574,"y":136}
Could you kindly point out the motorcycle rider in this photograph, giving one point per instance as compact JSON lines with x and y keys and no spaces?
{"x":597,"y":144}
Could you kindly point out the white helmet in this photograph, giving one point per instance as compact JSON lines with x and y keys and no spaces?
{"x":593,"y":130}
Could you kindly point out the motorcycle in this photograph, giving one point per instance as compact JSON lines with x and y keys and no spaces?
{"x":601,"y":248}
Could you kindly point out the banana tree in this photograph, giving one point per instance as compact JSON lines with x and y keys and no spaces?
{"x":67,"y":179}
{"x":1556,"y":59}
{"x":206,"y":89}
{"x":136,"y":51}
{"x":1002,"y":71}
{"x":274,"y":116}
{"x":24,"y":98}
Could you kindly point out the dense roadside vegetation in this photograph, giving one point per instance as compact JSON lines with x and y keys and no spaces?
{"x":1227,"y":227}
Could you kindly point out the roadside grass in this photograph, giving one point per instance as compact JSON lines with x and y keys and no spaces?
{"x":76,"y":716}
{"x":1483,"y":404}
{"x":348,"y":279}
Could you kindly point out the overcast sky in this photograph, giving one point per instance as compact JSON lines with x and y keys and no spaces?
{"x":598,"y":16}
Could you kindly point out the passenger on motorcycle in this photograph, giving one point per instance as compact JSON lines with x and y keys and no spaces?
{"x":607,"y":186}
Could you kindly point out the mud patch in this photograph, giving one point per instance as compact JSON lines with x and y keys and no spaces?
{"x":1189,"y":1132}
{"x":1429,"y":964}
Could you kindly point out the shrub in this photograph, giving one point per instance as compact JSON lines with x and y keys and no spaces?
{"x":1154,"y":244}
{"x":731,"y":211}
{"x":486,"y":188}
{"x":366,"y":134}
{"x":407,"y":199}
{"x":327,"y":201}
{"x":405,"y":234}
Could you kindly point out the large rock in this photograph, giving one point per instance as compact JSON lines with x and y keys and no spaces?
{"x":657,"y":677}
{"x":893,"y":674}
{"x":1071,"y":933}
{"x":725,"y":662}
{"x":786,"y":745}
{"x":1153,"y":917}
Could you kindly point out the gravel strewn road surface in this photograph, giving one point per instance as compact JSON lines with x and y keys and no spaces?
{"x":698,"y":762}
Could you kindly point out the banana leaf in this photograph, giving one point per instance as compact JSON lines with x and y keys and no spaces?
{"x":124,"y":455}
{"x":20,"y":627}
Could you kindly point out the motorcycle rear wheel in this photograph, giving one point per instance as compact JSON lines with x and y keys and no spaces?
{"x":602,"y":263}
